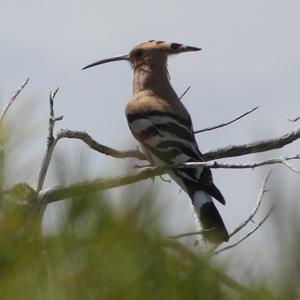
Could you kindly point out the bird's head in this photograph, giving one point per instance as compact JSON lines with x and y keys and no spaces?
{"x":149,"y":54}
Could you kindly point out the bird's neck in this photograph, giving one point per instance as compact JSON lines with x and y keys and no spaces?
{"x":156,"y":85}
{"x":154,"y":80}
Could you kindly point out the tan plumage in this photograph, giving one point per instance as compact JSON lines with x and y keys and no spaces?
{"x":145,"y":101}
{"x":162,"y":125}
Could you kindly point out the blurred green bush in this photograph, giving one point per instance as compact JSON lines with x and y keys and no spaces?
{"x":98,"y":255}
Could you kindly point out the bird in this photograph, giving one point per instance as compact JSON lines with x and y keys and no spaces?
{"x":162,"y":125}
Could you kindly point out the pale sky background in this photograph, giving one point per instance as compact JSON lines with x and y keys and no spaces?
{"x":250,"y":57}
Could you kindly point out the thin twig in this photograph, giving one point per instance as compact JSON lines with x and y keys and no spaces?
{"x":2,"y":115}
{"x":294,"y":120}
{"x":86,"y":138}
{"x":51,"y":142}
{"x":285,"y":161}
{"x":184,"y":93}
{"x":178,"y":236}
{"x":227,"y":123}
{"x":12,"y":99}
{"x":260,"y":196}
{"x":248,"y":234}
{"x":218,"y":165}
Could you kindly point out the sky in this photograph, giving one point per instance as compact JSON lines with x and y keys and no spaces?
{"x":250,"y":58}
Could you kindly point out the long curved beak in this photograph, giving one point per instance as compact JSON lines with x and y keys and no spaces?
{"x":103,"y":61}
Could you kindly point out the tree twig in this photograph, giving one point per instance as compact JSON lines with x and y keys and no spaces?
{"x":184,"y":93}
{"x":260,"y":196}
{"x":198,"y":232}
{"x":254,"y":147}
{"x":2,"y":116}
{"x":51,"y":142}
{"x":86,"y":138}
{"x":218,"y":165}
{"x":227,"y":123}
{"x":295,"y":119}
{"x":247,"y":235}
{"x":12,"y":99}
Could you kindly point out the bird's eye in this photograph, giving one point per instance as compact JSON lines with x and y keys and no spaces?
{"x":139,"y":53}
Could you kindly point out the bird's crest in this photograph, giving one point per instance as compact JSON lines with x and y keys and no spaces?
{"x":167,"y":46}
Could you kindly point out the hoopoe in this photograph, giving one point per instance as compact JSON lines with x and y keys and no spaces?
{"x":163,"y":127}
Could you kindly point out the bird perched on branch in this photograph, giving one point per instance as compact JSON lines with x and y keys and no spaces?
{"x":163,"y":127}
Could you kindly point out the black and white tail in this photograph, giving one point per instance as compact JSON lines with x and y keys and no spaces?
{"x":209,"y":218}
{"x":202,"y":191}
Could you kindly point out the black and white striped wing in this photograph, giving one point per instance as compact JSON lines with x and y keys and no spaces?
{"x":168,"y":138}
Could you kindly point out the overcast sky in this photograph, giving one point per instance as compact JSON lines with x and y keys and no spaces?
{"x":250,"y":57}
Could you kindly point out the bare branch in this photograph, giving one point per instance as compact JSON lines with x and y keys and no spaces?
{"x":285,"y":161}
{"x":260,"y":196}
{"x":12,"y":99}
{"x":255,"y":147}
{"x":63,"y":192}
{"x":178,"y":236}
{"x":52,"y":118}
{"x":86,"y":138}
{"x":294,"y":120}
{"x":2,"y":116}
{"x":51,"y":142}
{"x":184,"y":93}
{"x":248,"y":234}
{"x":261,"y":193}
{"x":218,"y":165}
{"x":227,"y":123}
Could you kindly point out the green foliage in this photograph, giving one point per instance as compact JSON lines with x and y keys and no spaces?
{"x":98,"y":255}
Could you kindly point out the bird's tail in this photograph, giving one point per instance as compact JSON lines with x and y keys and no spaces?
{"x":209,"y":217}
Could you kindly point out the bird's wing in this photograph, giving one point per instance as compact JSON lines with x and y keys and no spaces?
{"x":169,"y":140}
{"x":169,"y":137}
